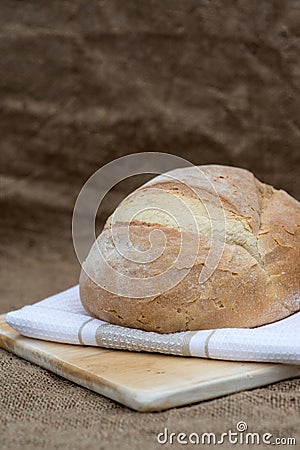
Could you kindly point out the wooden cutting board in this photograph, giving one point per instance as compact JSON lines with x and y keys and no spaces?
{"x":143,"y":381}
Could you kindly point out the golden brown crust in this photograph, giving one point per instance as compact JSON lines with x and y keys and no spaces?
{"x":256,"y":281}
{"x":279,"y":245}
{"x":237,"y":188}
{"x":189,"y":305}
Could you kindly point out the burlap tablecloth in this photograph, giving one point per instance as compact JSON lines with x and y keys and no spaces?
{"x":84,"y":82}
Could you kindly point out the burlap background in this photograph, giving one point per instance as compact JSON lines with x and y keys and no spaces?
{"x":84,"y":82}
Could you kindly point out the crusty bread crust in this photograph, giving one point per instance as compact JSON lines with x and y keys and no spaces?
{"x":256,"y":280}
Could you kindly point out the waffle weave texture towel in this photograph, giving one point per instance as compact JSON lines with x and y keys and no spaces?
{"x":61,"y":318}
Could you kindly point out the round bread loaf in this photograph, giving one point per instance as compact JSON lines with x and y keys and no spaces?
{"x":219,"y":219}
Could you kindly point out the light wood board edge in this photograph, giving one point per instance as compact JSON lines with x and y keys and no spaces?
{"x":145,"y":400}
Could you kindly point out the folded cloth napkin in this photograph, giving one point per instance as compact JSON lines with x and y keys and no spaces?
{"x":62,"y":318}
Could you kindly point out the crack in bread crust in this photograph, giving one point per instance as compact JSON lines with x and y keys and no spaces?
{"x":257,"y":280}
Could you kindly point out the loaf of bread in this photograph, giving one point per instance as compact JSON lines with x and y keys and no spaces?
{"x":197,"y":248}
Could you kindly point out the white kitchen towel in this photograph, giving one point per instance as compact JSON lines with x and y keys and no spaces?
{"x":61,"y":318}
